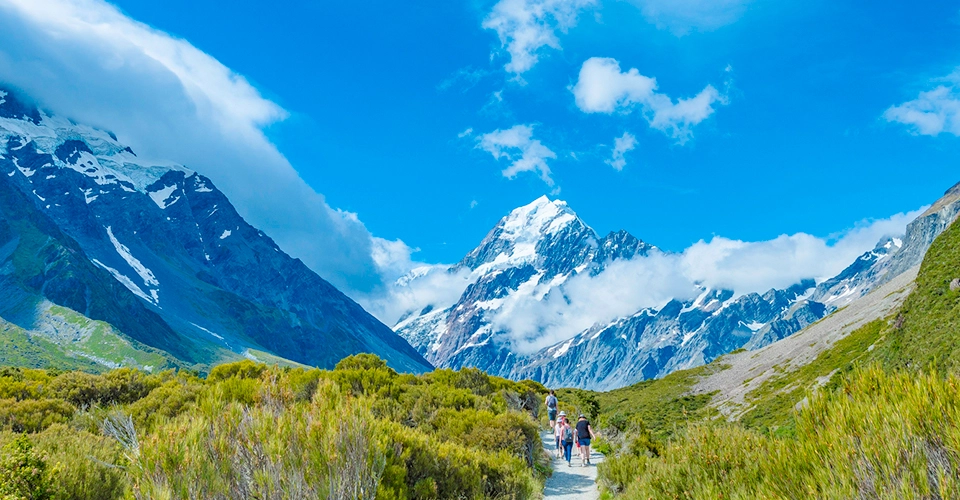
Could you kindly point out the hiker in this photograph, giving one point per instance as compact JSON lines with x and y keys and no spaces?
{"x":551,"y":402}
{"x":566,"y":433}
{"x":584,"y":433}
{"x":557,"y":431}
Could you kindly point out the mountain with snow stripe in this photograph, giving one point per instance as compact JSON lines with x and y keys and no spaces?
{"x":535,"y":249}
{"x":158,"y":254}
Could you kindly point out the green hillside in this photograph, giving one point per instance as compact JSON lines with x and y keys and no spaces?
{"x":927,"y":332}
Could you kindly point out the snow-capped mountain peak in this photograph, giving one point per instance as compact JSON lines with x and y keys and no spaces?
{"x":537,"y":220}
{"x":536,"y":234}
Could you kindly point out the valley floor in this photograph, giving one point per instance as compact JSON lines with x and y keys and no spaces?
{"x":571,"y":483}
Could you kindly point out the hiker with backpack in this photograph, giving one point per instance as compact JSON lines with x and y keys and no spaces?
{"x":551,"y":403}
{"x":566,"y":437}
{"x":584,"y":433}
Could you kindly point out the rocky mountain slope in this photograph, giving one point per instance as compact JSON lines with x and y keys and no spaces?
{"x":157,"y":254}
{"x":533,"y":251}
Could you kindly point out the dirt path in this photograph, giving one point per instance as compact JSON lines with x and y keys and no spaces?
{"x":571,"y":483}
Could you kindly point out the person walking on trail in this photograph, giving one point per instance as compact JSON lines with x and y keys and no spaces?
{"x":557,"y":431}
{"x":551,"y":403}
{"x":584,"y":433}
{"x":566,"y":435}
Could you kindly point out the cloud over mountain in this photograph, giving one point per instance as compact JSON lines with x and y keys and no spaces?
{"x":87,"y":60}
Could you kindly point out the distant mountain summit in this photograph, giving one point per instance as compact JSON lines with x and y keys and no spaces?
{"x":529,"y":254}
{"x":158,"y":257}
{"x":532,"y":252}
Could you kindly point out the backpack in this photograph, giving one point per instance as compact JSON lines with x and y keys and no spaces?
{"x":568,"y":435}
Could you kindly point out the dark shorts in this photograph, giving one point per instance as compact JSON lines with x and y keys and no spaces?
{"x":551,"y":414}
{"x":585,"y":442}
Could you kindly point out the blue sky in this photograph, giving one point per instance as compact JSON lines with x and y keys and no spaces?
{"x":801,"y":145}
{"x":799,"y":130}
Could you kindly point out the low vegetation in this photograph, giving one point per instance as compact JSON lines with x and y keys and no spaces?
{"x":253,"y":431}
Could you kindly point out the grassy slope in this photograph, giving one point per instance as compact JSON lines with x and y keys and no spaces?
{"x":17,"y":348}
{"x":929,"y":332}
{"x":664,"y":405}
{"x":104,"y":344}
{"x":773,"y":403}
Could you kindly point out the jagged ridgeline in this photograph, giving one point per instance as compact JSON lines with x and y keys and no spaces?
{"x":361,"y":431}
{"x":874,"y":412}
{"x":107,"y":261}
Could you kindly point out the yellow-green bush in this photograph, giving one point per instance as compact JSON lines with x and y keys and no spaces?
{"x":33,"y":415}
{"x":86,"y":466}
{"x":24,"y":473}
{"x":419,"y":466}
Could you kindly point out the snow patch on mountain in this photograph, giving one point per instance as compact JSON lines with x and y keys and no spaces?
{"x":129,"y":284}
{"x":145,"y":274}
{"x":164,"y":197}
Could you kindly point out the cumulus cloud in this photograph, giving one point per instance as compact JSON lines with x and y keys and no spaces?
{"x":517,"y":145}
{"x":603,"y":88}
{"x":932,"y":112}
{"x":626,"y":287}
{"x":621,"y":146}
{"x":86,"y":60}
{"x":411,"y":285}
{"x":527,"y":26}
{"x":684,"y":16}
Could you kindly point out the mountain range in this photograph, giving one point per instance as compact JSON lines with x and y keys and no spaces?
{"x":534,"y":251}
{"x":112,"y":261}
{"x":107,"y":260}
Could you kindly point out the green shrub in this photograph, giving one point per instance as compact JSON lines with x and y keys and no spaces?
{"x":33,"y":415}
{"x":88,"y":466}
{"x":23,"y":472}
{"x":418,"y":464}
{"x":245,"y":369}
{"x":362,"y":361}
{"x":165,"y":402}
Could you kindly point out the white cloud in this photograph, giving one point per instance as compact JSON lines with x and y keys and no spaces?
{"x":621,"y":146}
{"x":412,"y":285}
{"x":683,"y":16}
{"x":86,"y":60}
{"x":625,"y":287}
{"x":932,"y":112}
{"x":603,"y":88}
{"x":525,"y":153}
{"x":526,"y":26}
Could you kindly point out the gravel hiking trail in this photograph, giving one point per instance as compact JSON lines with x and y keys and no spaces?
{"x":571,"y":483}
